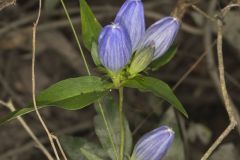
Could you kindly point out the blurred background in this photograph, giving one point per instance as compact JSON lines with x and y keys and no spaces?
{"x":58,"y":58}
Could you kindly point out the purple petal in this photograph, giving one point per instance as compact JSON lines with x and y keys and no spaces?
{"x":154,"y":145}
{"x":162,"y":33}
{"x":114,"y":46}
{"x":131,"y":16}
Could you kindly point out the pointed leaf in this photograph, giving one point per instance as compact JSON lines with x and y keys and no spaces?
{"x":89,"y":155}
{"x":69,"y":94}
{"x":112,"y":117}
{"x":158,"y":88}
{"x":90,"y":26}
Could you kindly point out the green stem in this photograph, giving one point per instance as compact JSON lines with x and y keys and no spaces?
{"x":121,"y":118}
{"x":76,"y":37}
{"x":108,"y":130}
{"x":89,"y":73}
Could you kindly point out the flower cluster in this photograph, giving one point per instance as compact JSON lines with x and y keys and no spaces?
{"x":127,"y":36}
{"x":154,"y":144}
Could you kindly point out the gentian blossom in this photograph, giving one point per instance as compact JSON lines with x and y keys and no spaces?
{"x":114,"y":47}
{"x":131,"y":16}
{"x":154,"y":144}
{"x":131,"y":36}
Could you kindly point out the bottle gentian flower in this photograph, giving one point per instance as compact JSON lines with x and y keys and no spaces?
{"x":162,"y":33}
{"x":154,"y":144}
{"x":117,"y":44}
{"x":131,"y":15}
{"x":114,"y":47}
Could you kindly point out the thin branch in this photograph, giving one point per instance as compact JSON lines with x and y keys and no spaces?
{"x":226,"y":132}
{"x":3,"y":103}
{"x":225,"y":95}
{"x":11,"y":107}
{"x":196,"y":63}
{"x":33,"y":82}
{"x":28,"y":146}
{"x":59,"y":146}
{"x":222,"y":72}
{"x":6,"y":3}
{"x":203,"y":13}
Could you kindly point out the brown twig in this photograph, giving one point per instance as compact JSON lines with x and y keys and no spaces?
{"x":225,"y":95}
{"x":182,"y":7}
{"x":11,"y":107}
{"x":59,"y":146}
{"x":6,"y":3}
{"x":203,"y":13}
{"x":33,"y":83}
{"x":25,"y":147}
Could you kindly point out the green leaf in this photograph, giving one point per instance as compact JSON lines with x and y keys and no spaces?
{"x":79,"y":148}
{"x":89,"y":155}
{"x":74,"y":92}
{"x":158,"y":88}
{"x":167,"y":57}
{"x":112,"y":117}
{"x":94,"y":53}
{"x":69,"y":94}
{"x":90,"y":26}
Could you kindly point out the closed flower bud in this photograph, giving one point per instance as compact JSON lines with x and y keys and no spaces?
{"x":141,"y":60}
{"x":114,"y":47}
{"x":131,"y":16}
{"x":153,"y":145}
{"x":162,"y":33}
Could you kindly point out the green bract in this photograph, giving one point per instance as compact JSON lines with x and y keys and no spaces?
{"x":141,"y":60}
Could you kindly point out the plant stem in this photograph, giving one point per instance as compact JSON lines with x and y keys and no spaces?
{"x":76,"y":37}
{"x":108,"y":130}
{"x":121,"y":123}
{"x":89,"y":73}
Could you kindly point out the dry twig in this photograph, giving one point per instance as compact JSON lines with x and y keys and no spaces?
{"x":11,"y":107}
{"x":33,"y":83}
{"x":6,"y":3}
{"x":59,"y":146}
{"x":26,"y":147}
{"x":228,"y":105}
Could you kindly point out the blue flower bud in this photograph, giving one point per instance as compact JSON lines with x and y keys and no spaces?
{"x":153,"y":145}
{"x":162,"y":33}
{"x":114,"y":47}
{"x":131,"y":16}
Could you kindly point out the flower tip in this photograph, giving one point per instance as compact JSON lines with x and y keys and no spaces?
{"x":175,"y":19}
{"x":170,"y":131}
{"x":115,"y":25}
